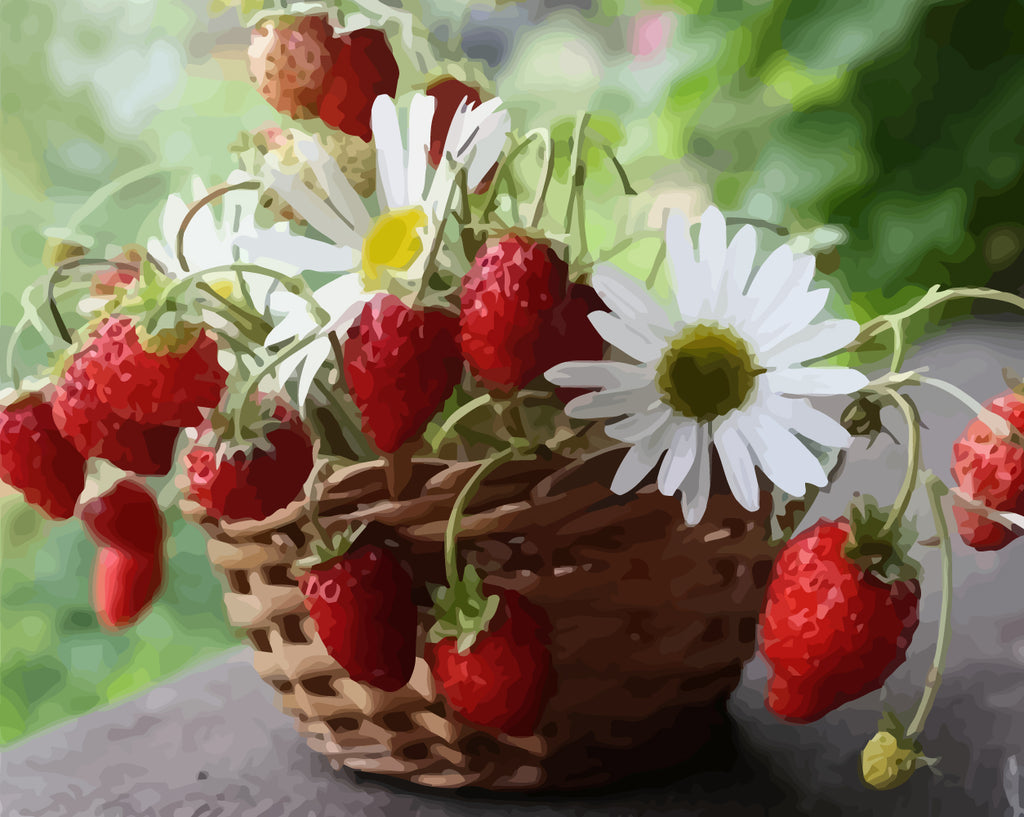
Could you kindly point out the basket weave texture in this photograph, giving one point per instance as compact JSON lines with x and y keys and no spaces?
{"x":652,"y":620}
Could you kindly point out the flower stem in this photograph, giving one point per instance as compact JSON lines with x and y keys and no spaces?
{"x":545,"y":179}
{"x":627,"y":188}
{"x":936,"y":490}
{"x":451,"y":533}
{"x":659,"y":259}
{"x":913,"y":418}
{"x":579,"y":175}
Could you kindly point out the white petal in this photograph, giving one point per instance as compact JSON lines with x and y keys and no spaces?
{"x":387,"y":136}
{"x":738,"y":465}
{"x":316,"y":356}
{"x":487,"y":148}
{"x":800,"y":416}
{"x":712,"y":245}
{"x":815,"y":381}
{"x":293,"y":325}
{"x":627,"y":298}
{"x":781,"y":278}
{"x":814,"y":341}
{"x":637,"y":426}
{"x":641,"y":459}
{"x":308,"y":204}
{"x":339,"y":295}
{"x":682,"y":452}
{"x":782,"y":457}
{"x":635,"y":339}
{"x":678,"y":245}
{"x":421,"y":115}
{"x":598,"y":405}
{"x":601,"y":374}
{"x":341,"y":196}
{"x":696,"y":487}
{"x":292,"y":254}
{"x":792,"y":316}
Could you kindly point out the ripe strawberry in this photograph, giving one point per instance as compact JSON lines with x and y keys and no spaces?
{"x":93,"y":428}
{"x":363,"y":69}
{"x":449,"y":94}
{"x":289,"y":59}
{"x":509,"y":299}
{"x":256,"y":480}
{"x":401,"y":364}
{"x":162,"y":384}
{"x":130,"y":530}
{"x":36,"y":459}
{"x":990,"y":469}
{"x":832,"y":630}
{"x":363,"y":608}
{"x":504,"y":679}
{"x":571,"y":335}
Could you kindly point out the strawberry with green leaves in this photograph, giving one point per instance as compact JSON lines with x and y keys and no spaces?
{"x":490,"y":655}
{"x":129,"y":528}
{"x":362,"y":604}
{"x":253,"y":473}
{"x":841,"y":609}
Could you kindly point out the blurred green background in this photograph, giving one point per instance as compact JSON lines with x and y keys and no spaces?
{"x":899,"y":121}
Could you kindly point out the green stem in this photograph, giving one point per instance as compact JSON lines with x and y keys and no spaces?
{"x":545,"y":179}
{"x":430,"y":262}
{"x":251,"y":326}
{"x":456,"y":416}
{"x":577,"y":169}
{"x":451,"y":533}
{"x":213,"y":195}
{"x":936,"y":490}
{"x":57,"y":276}
{"x":659,"y":259}
{"x":627,"y":188}
{"x":999,"y":426}
{"x":245,"y":396}
{"x":757,"y":222}
{"x":913,"y":419}
{"x":354,"y":438}
{"x":504,"y":173}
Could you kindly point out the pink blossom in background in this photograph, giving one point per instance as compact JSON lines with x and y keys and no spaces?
{"x":650,"y":35}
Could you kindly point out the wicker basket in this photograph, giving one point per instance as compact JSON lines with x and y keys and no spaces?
{"x":652,"y":620}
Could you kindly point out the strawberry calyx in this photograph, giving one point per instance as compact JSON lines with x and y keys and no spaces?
{"x":462,"y":611}
{"x":328,"y":548}
{"x":878,"y":547}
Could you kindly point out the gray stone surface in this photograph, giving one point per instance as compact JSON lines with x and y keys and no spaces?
{"x":210,"y":744}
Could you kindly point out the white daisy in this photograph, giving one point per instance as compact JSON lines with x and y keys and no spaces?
{"x":720,"y":365}
{"x":412,"y":200}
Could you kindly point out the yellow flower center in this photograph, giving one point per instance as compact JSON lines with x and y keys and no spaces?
{"x":707,"y":372}
{"x":393,"y":242}
{"x":225,"y":287}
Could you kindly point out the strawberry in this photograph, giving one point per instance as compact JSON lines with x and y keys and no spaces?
{"x":501,"y":679}
{"x":449,"y":94}
{"x":509,"y":299}
{"x":841,"y":609}
{"x":129,"y":528}
{"x":401,"y":363}
{"x":153,"y":384}
{"x":364,"y":612}
{"x":363,"y":69}
{"x":990,"y":469}
{"x":571,"y":335}
{"x":36,"y":459}
{"x":289,"y":60}
{"x":95,"y":431}
{"x":254,"y":480}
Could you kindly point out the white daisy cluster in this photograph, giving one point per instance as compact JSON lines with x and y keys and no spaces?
{"x":719,"y":366}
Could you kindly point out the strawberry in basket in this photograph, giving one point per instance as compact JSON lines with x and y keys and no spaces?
{"x":362,"y":604}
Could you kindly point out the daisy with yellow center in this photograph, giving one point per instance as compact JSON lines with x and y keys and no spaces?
{"x":722,"y":364}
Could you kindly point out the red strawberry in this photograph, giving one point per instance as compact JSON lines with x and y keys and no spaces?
{"x":401,"y":364}
{"x":449,"y":93}
{"x":571,"y":335}
{"x":162,"y":385}
{"x":36,"y":459}
{"x":363,"y":69}
{"x":289,"y":60}
{"x":254,"y":481}
{"x":364,"y":613}
{"x":990,"y":469}
{"x":93,"y":428}
{"x":509,"y":300}
{"x":504,"y":679}
{"x":129,"y":527}
{"x":831,"y":630}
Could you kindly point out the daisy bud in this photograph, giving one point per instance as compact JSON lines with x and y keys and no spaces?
{"x":888,"y":761}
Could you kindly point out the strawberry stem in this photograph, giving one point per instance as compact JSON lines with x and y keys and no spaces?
{"x":659,"y":259}
{"x":913,"y":418}
{"x":451,"y":534}
{"x":504,"y":174}
{"x":214,"y":194}
{"x":430,"y":262}
{"x":456,"y":417}
{"x":936,"y":491}
{"x":579,"y":175}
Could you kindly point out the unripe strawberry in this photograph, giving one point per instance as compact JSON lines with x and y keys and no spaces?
{"x":289,"y":60}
